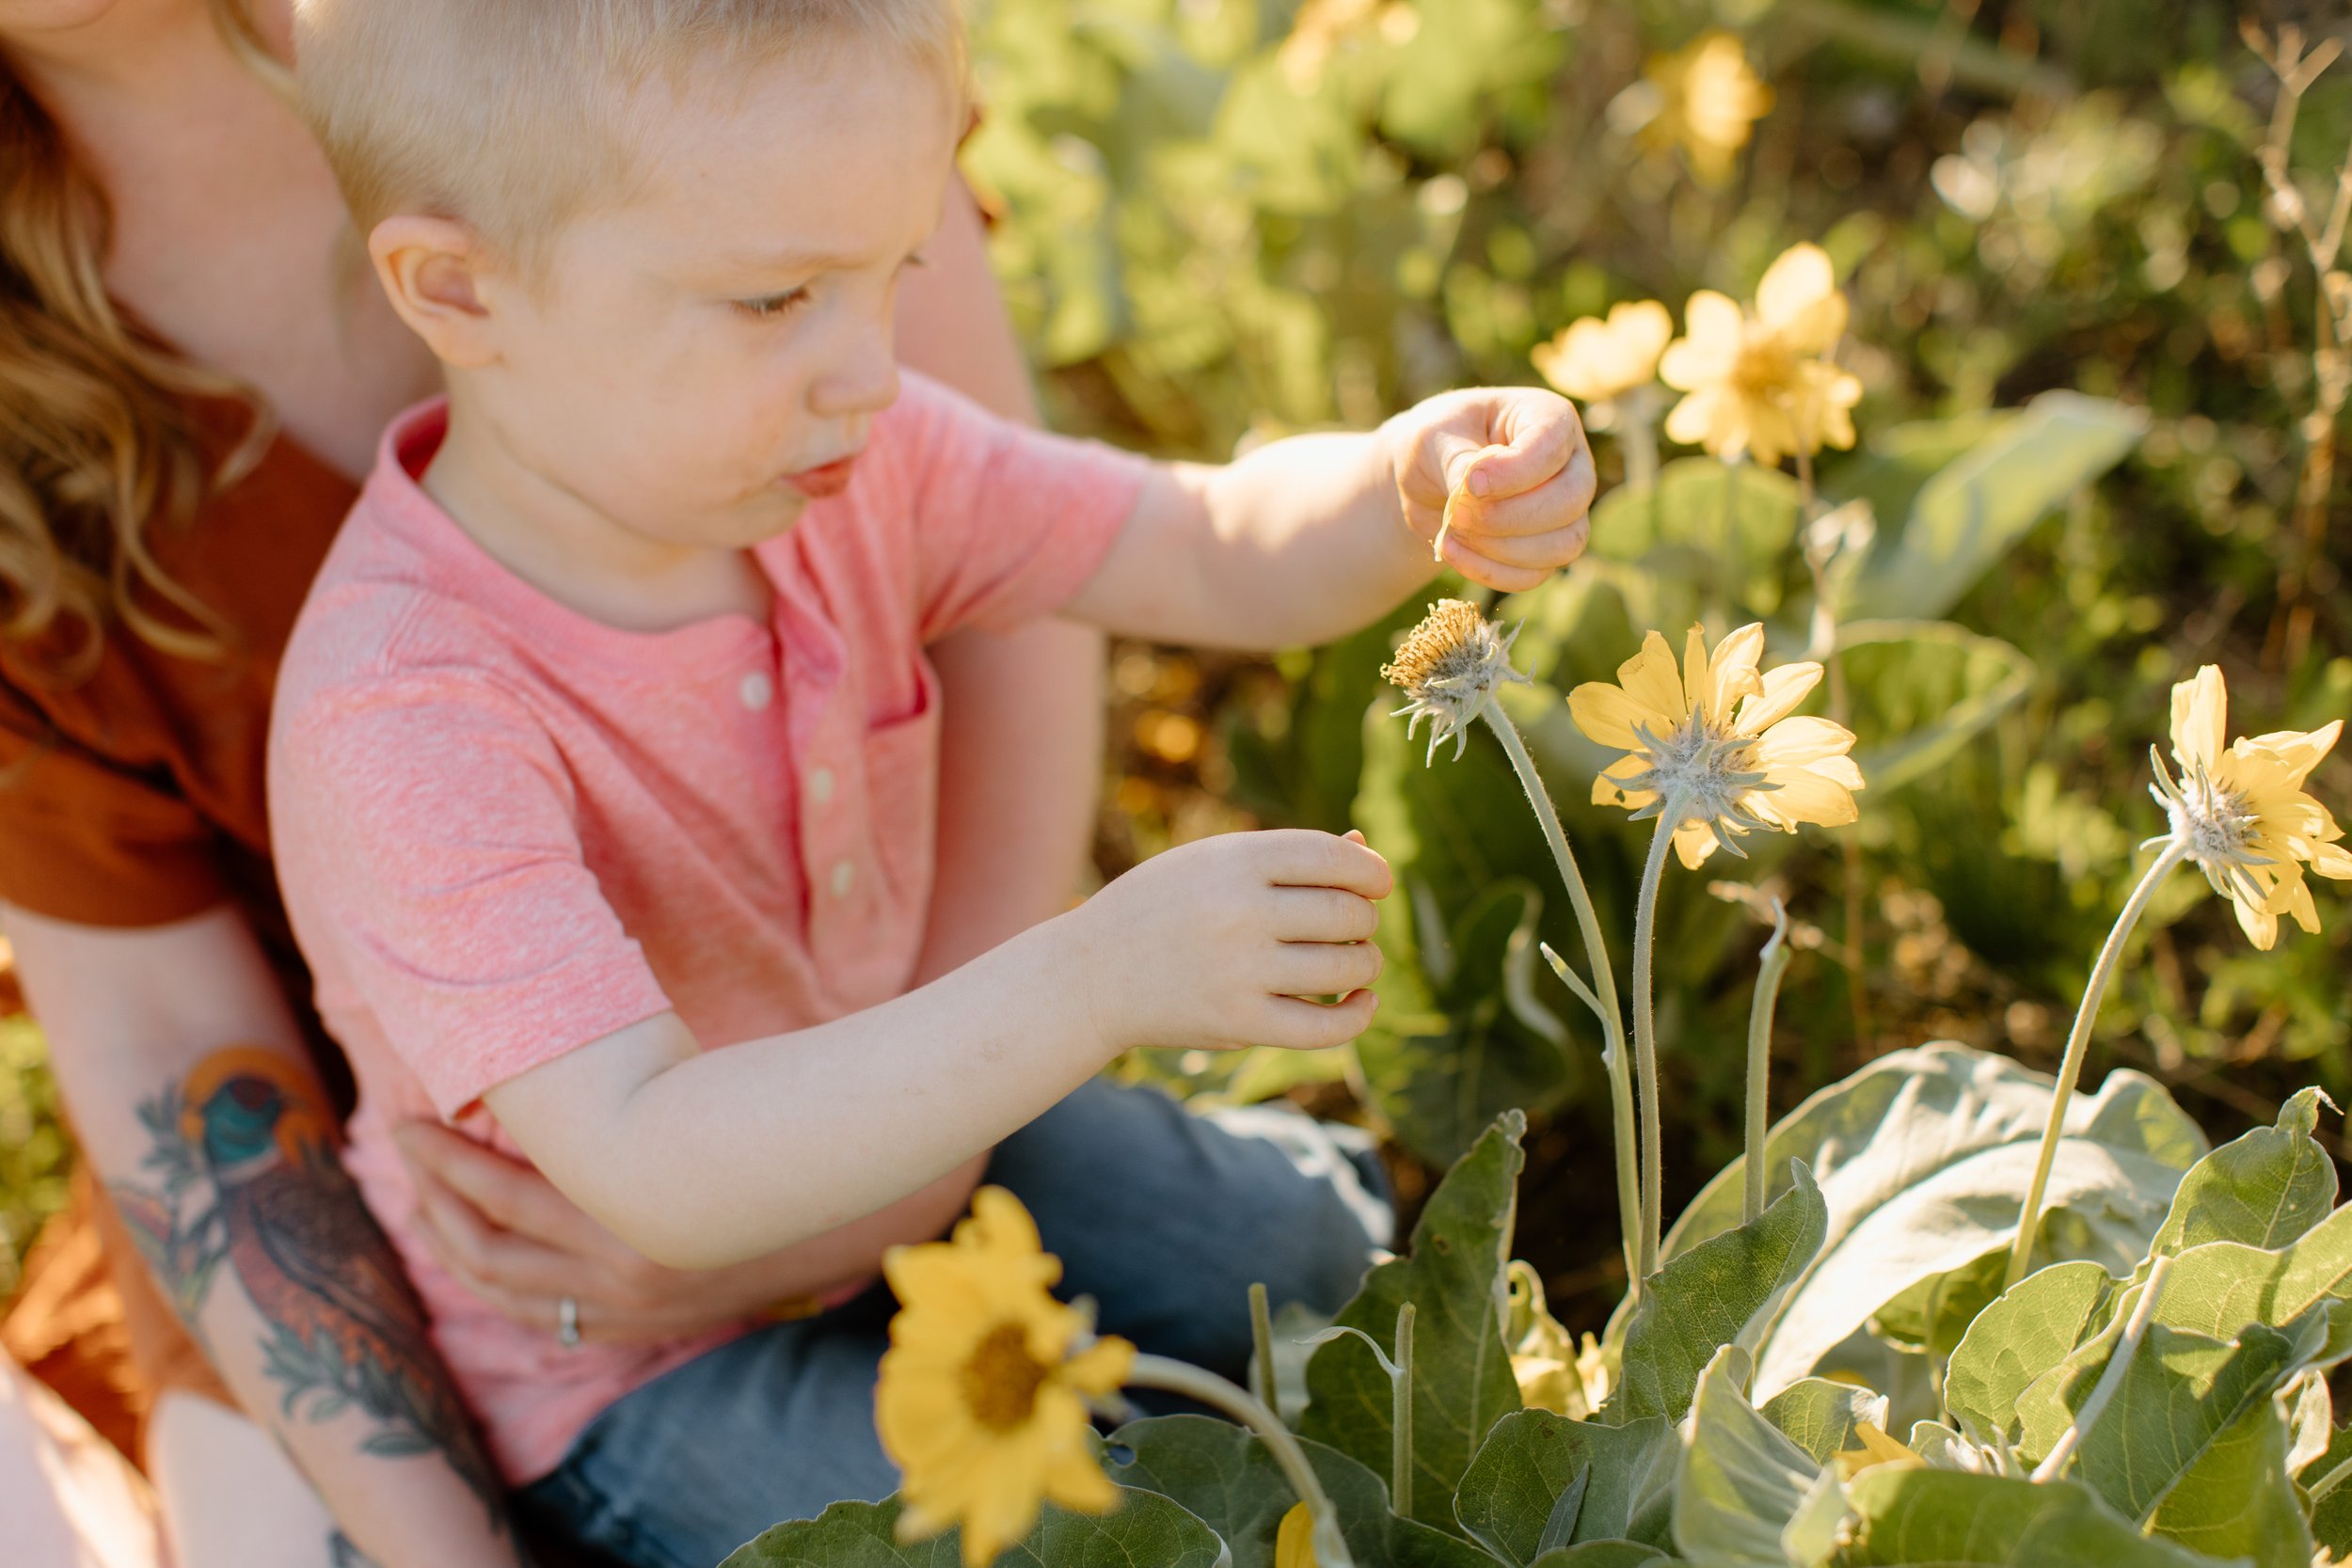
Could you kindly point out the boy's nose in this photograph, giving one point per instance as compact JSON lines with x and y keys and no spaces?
{"x":863,"y":381}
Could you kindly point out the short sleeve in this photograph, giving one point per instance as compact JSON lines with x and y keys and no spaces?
{"x":428,"y":848}
{"x":86,"y":839}
{"x":1009,"y":521}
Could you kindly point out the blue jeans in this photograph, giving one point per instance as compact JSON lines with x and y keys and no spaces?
{"x":1164,"y":1217}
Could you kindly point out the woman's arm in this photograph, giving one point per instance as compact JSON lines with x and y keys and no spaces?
{"x":196,"y":1102}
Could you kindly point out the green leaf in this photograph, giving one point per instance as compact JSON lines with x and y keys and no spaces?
{"x":1462,"y":1380}
{"x":1740,"y":1481}
{"x":1921,"y":690}
{"x":1912,"y":1518}
{"x":1679,"y":529}
{"x":1602,"y":1554}
{"x":1925,"y":1152}
{"x":2033,"y":1326}
{"x":2236,"y":1499}
{"x":1226,"y":1478}
{"x":1711,"y":1295}
{"x":2325,"y":1481}
{"x":1145,"y":1528}
{"x":2264,"y":1188}
{"x":1463,"y":1033}
{"x":1972,"y":513}
{"x":1819,"y":1415}
{"x":1533,"y":1456}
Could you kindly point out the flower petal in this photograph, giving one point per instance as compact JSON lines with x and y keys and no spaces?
{"x":1607,"y":715}
{"x":1784,"y":687}
{"x":1731,"y":675}
{"x":2200,"y":709}
{"x":1709,"y":349}
{"x":1795,"y":741}
{"x":1798,"y":299}
{"x":1651,"y":678}
{"x":1693,"y":843}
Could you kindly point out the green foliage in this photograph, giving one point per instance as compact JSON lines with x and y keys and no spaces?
{"x":1462,"y":1382}
{"x":1144,"y":1528}
{"x":34,"y":1155}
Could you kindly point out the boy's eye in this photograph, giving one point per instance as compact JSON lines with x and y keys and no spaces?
{"x":766,"y":306}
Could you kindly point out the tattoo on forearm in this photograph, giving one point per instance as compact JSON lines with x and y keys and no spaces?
{"x":245,"y":1175}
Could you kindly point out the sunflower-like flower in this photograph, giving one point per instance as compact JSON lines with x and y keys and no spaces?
{"x":1716,"y":735}
{"x":1449,"y":666}
{"x":2242,"y":812}
{"x":1705,"y":99}
{"x":1758,"y":382}
{"x":1295,"y":1539}
{"x":1600,"y":361}
{"x":983,"y":1396}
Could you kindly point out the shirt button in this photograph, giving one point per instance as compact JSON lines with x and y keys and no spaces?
{"x":757,"y":691}
{"x":844,"y":877}
{"x":820,"y":787}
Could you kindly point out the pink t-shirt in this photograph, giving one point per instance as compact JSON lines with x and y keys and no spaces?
{"x":506,"y":830}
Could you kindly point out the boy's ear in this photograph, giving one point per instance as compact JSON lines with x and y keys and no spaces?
{"x":431,"y":269}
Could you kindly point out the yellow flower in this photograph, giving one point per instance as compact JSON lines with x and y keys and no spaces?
{"x":1705,"y":99}
{"x":1716,"y":735}
{"x":1295,"y":1539}
{"x":1598,"y":361}
{"x":1757,"y":382}
{"x":2242,"y":812}
{"x":1873,"y":1448}
{"x":983,"y":1400}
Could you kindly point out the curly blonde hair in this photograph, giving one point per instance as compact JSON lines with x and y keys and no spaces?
{"x":96,"y":445}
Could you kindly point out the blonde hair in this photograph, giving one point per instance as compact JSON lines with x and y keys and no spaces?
{"x":96,"y":440}
{"x":512,"y":114}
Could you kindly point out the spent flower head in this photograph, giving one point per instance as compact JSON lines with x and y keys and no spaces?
{"x":1716,"y":737}
{"x":983,"y":1396}
{"x":1704,"y":99}
{"x":1759,"y":381}
{"x":2242,"y":812}
{"x":1594,"y":360}
{"x":1449,"y":666}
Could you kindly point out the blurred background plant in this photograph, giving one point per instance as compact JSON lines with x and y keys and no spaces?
{"x":2099,"y":321}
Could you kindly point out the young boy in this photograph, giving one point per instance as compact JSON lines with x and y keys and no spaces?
{"x":604,"y":756}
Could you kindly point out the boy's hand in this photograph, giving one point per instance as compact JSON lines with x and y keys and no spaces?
{"x":1519,"y":457}
{"x":1214,"y":944}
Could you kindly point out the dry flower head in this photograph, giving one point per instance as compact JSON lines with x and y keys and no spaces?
{"x":1449,"y":666}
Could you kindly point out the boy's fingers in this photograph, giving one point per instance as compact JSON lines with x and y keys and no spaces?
{"x":1323,"y":914}
{"x":1326,"y":968}
{"x":1503,"y":579}
{"x":1298,"y":857}
{"x":1546,"y":504}
{"x":1550,"y":550}
{"x":1297,"y":1025}
{"x":1543,"y":439}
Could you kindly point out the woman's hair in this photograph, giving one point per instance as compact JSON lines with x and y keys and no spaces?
{"x":97,"y":446}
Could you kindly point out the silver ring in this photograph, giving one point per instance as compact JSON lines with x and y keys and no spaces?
{"x":567,"y":1324}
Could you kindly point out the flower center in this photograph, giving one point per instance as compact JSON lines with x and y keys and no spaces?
{"x":1713,"y":769}
{"x":2214,"y":819}
{"x":1001,"y":1379}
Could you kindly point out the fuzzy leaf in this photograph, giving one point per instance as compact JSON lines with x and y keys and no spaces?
{"x":1740,"y":1482}
{"x":1462,"y":1379}
{"x":1602,"y":1554}
{"x":1819,"y":1415}
{"x":2264,"y":1188}
{"x":1914,"y":1517}
{"x":1531,"y":1457}
{"x":2030,"y":1329}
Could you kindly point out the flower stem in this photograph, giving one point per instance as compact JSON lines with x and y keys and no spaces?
{"x":2078,"y":1046}
{"x":1646,"y":1034}
{"x":2118,"y":1362}
{"x":1401,"y":1426}
{"x":1773,"y":964}
{"x":1181,"y":1377}
{"x":1637,"y":437}
{"x":1612,"y":1060}
{"x":1262,"y":1336}
{"x":1631,"y":1204}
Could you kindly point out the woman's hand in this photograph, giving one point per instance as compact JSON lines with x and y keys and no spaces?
{"x":509,"y":1237}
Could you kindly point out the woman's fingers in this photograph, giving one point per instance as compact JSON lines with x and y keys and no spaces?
{"x":511,"y":1196}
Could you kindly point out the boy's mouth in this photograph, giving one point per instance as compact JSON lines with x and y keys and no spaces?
{"x":826,"y":479}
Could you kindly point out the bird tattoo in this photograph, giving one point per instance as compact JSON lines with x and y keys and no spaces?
{"x":248,"y":1179}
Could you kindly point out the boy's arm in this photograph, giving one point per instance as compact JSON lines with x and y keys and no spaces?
{"x":171,"y":1042}
{"x":698,"y":1159}
{"x":1306,"y":539}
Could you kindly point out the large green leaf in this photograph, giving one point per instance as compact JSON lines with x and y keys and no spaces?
{"x":2236,"y":1499}
{"x":1911,"y":1517}
{"x":1511,"y":1489}
{"x":1145,"y":1528}
{"x":1740,"y":1482}
{"x":2035,"y":1325}
{"x":2263,"y":1189}
{"x":1602,"y":1554}
{"x":1921,"y":690}
{"x":1462,"y":1034}
{"x":1711,"y":1295}
{"x":1923,"y":1155}
{"x":1819,"y":1416}
{"x":1969,"y":515}
{"x":1723,"y":527}
{"x":1228,"y":1480}
{"x":1462,"y":1380}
